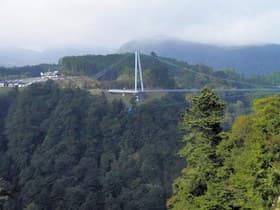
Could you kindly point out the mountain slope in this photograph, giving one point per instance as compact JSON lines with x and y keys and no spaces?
{"x":246,"y":59}
{"x":158,"y":72}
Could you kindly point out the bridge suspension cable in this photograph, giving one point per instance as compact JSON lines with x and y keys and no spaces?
{"x":138,"y":69}
{"x":210,"y":76}
{"x":105,"y":70}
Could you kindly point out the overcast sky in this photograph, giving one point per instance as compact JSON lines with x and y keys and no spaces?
{"x":44,"y":24}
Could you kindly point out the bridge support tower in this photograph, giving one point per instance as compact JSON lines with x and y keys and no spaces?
{"x":138,"y":72}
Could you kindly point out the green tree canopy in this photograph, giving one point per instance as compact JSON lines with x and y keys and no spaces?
{"x":202,"y":123}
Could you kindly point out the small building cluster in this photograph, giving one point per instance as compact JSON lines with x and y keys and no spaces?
{"x":49,"y":74}
{"x":28,"y":81}
{"x":13,"y":83}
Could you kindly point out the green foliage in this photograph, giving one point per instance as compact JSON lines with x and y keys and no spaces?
{"x":68,"y":149}
{"x":202,"y":123}
{"x":241,"y":170}
{"x":252,"y":156}
{"x":270,"y":79}
{"x":157,"y":72}
{"x":157,"y":77}
{"x":25,"y":71}
{"x":64,"y":148}
{"x":89,"y":64}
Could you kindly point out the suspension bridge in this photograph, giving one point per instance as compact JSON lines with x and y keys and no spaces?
{"x":140,"y":90}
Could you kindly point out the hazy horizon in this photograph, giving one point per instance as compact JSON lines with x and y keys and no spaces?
{"x":51,"y":24}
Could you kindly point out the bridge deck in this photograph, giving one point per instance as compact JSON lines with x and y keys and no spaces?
{"x":192,"y":90}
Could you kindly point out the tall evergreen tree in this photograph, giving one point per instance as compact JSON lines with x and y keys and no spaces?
{"x":202,"y":123}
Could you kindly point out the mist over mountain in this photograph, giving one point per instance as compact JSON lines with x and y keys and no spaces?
{"x":257,"y":59}
{"x":20,"y":57}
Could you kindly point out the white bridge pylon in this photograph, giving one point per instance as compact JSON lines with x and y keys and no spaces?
{"x":138,"y":69}
{"x":137,"y":72}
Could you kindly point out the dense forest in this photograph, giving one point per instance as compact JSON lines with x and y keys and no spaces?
{"x":229,"y":170}
{"x":67,"y":149}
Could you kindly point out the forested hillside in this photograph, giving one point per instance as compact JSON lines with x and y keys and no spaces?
{"x":117,"y":70}
{"x":67,"y":149}
{"x":235,"y":170}
{"x":259,"y":59}
{"x":25,"y":71}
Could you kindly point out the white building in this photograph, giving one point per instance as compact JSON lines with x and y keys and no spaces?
{"x":49,"y":74}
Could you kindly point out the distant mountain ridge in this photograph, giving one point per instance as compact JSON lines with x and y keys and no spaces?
{"x":249,"y":60}
{"x":11,"y":57}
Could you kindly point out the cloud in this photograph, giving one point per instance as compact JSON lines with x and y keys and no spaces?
{"x":258,"y":29}
{"x":46,"y":24}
